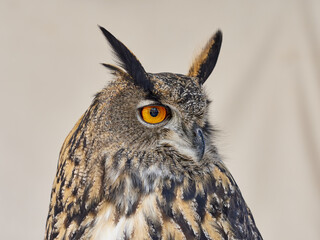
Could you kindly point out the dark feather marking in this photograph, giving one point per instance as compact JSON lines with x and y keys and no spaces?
{"x":220,"y":191}
{"x":62,"y":186}
{"x":68,"y":219}
{"x":166,"y":209}
{"x":225,"y":210}
{"x":79,"y":216}
{"x":215,"y":209}
{"x":189,"y":191}
{"x":152,"y":96}
{"x":78,"y":233}
{"x":114,"y":69}
{"x":210,"y":185}
{"x":223,"y":171}
{"x":57,"y":208}
{"x":201,"y":204}
{"x":202,"y":235}
{"x":128,"y":163}
{"x":154,"y":228}
{"x":79,"y":140}
{"x":64,"y":236}
{"x":129,"y":62}
{"x":72,"y":176}
{"x":151,"y":180}
{"x":116,"y":190}
{"x":132,"y":207}
{"x":222,"y":233}
{"x":168,"y":191}
{"x":75,"y":191}
{"x":74,"y":137}
{"x":95,"y":106}
{"x":84,"y":142}
{"x":117,"y":158}
{"x":103,"y":176}
{"x":76,"y":161}
{"x":136,"y":181}
{"x":186,"y":229}
{"x":54,"y":235}
{"x":62,"y":175}
{"x":238,"y":216}
{"x":126,"y":236}
{"x":69,"y":206}
{"x":141,"y":158}
{"x":59,"y":172}
{"x":117,"y":214}
{"x":47,"y":230}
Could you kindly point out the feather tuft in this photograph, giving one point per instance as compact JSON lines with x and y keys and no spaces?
{"x":128,"y":62}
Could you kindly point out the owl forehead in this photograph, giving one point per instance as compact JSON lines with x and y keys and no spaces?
{"x":180,"y":90}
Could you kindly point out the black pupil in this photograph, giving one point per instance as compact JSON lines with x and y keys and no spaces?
{"x":154,"y":112}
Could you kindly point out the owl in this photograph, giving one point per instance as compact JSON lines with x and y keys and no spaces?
{"x":141,"y":162}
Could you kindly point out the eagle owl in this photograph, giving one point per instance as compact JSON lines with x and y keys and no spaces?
{"x":140,"y":163}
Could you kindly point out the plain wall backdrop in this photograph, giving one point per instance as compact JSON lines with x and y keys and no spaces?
{"x":265,"y":91}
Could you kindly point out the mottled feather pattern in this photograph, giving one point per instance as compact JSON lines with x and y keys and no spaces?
{"x":118,"y":178}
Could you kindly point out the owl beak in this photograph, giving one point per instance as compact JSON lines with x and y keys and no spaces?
{"x":199,"y":142}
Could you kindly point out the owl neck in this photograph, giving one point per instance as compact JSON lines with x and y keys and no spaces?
{"x":131,"y":175}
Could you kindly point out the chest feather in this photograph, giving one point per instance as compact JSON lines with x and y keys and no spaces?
{"x":113,"y":227}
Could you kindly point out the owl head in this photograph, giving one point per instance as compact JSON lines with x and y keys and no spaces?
{"x":156,"y":121}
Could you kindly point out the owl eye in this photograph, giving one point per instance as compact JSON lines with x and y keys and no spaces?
{"x":154,"y":114}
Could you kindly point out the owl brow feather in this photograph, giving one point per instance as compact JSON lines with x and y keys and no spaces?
{"x":115,"y":70}
{"x":129,"y":62}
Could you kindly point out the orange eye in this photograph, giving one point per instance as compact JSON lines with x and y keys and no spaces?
{"x":154,"y":114}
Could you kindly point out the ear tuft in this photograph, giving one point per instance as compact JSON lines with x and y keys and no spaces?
{"x":205,"y":62}
{"x":128,"y":62}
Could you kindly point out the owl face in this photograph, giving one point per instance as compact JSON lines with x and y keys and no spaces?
{"x":161,"y":115}
{"x":173,"y":113}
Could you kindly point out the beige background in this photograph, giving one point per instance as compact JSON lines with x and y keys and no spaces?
{"x":265,"y":92}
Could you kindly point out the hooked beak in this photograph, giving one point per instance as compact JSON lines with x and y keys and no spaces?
{"x":199,"y":142}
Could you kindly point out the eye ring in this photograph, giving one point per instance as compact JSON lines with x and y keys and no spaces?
{"x":154,"y":114}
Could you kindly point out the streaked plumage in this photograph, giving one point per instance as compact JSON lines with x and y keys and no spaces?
{"x":119,"y":177}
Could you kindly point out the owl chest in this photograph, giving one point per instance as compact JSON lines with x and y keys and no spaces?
{"x":112,"y":227}
{"x":108,"y":228}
